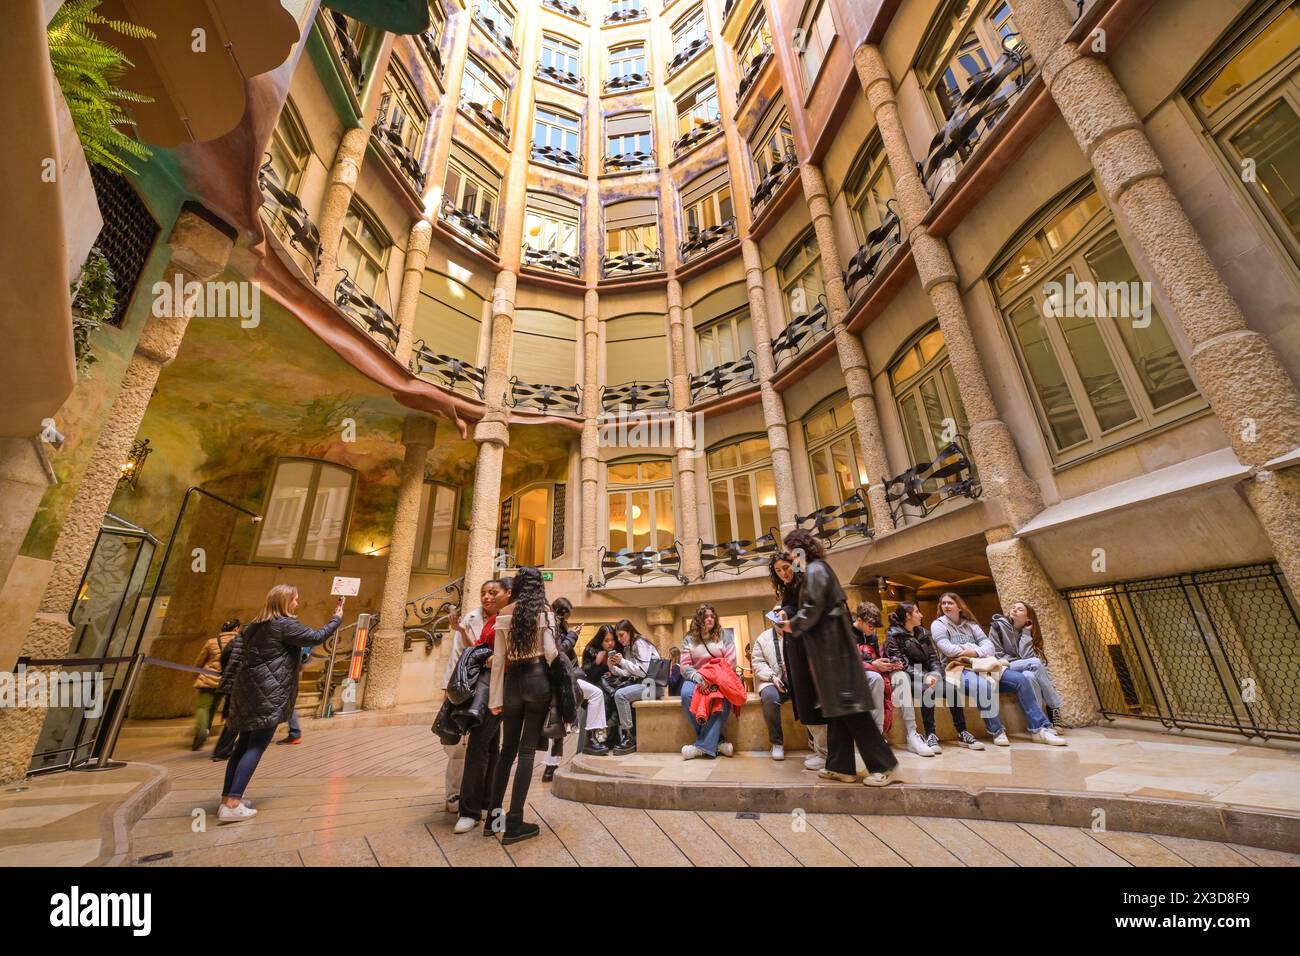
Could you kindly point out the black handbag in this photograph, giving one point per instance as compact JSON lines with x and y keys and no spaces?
{"x":658,"y":671}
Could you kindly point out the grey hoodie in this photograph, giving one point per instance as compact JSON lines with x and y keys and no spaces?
{"x":1008,"y":642}
{"x":951,"y":639}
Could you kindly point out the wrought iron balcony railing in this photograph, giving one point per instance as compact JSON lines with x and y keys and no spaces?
{"x":777,"y":174}
{"x":873,"y":254}
{"x":429,"y":43}
{"x":634,"y":396}
{"x":628,"y":81}
{"x":626,"y":16}
{"x":562,"y":77}
{"x":499,"y":36}
{"x":452,"y":373}
{"x":552,"y":259}
{"x":346,"y":48}
{"x":389,"y":138}
{"x":834,"y":523}
{"x":802,"y":332}
{"x":469,"y":225}
{"x":688,"y":53}
{"x":632,"y":263}
{"x":976,"y":113}
{"x":623,"y":162}
{"x":750,"y":71}
{"x":365,"y":311}
{"x":487,"y":119}
{"x":929,"y":485}
{"x":554,"y":156}
{"x":568,"y":9}
{"x":545,"y":398}
{"x":723,"y":378}
{"x":696,"y":135}
{"x":700,"y":240}
{"x":302,"y":232}
{"x":737,"y":556}
{"x":626,"y":565}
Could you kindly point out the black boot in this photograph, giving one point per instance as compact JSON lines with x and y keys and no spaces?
{"x":626,"y":744}
{"x":549,"y":773}
{"x":592,"y":745}
{"x":518,"y":831}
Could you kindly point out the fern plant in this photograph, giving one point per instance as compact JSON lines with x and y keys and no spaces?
{"x":87,"y":70}
{"x":94,"y":300}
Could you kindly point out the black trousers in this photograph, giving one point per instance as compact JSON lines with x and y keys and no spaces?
{"x":481,"y":755}
{"x":842,"y":733}
{"x":523,"y":714}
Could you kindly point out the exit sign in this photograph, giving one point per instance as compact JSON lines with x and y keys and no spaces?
{"x":548,"y":575}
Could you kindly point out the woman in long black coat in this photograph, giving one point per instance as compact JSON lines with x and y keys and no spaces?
{"x":799,"y":682}
{"x":266,"y":687}
{"x":822,"y":624}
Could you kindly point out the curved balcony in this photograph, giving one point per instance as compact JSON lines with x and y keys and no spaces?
{"x":632,"y":263}
{"x":553,"y":260}
{"x":389,"y":138}
{"x":688,"y":53}
{"x":737,"y":556}
{"x":629,"y":81}
{"x":486,"y":119}
{"x":616,"y":17}
{"x":873,"y":254}
{"x":289,"y":212}
{"x":470,"y":226}
{"x":429,"y":44}
{"x":833,"y":523}
{"x":554,"y":156}
{"x":975,"y":115}
{"x":928,"y":486}
{"x":723,"y":378}
{"x":499,"y":36}
{"x":562,"y":77}
{"x":626,"y":162}
{"x":750,"y":71}
{"x":568,"y":9}
{"x":694,"y":136}
{"x":451,"y":373}
{"x":336,"y":26}
{"x":545,"y":398}
{"x":366,"y":312}
{"x":634,"y":396}
{"x":701,"y":240}
{"x":629,"y":565}
{"x":802,"y":332}
{"x":778,"y":173}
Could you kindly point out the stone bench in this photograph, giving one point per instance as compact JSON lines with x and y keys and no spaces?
{"x":661,"y":728}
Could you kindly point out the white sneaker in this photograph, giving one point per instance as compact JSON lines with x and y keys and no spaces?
{"x":918,"y":746}
{"x":227,"y":814}
{"x":725,"y":749}
{"x":967,"y":740}
{"x":933,"y":743}
{"x":1001,"y":740}
{"x":841,"y":777}
{"x":814,"y":762}
{"x":690,"y":752}
{"x":879,"y":779}
{"x":778,"y":752}
{"x":464,"y":825}
{"x":1050,"y":737}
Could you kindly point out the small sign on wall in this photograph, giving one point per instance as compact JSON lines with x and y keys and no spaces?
{"x":345,"y":587}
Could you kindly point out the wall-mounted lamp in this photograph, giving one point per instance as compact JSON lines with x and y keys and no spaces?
{"x":134,"y":464}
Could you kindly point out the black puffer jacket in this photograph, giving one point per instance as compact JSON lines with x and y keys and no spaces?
{"x":912,"y":650}
{"x":266,"y":684}
{"x":822,"y":625}
{"x":232,"y":658}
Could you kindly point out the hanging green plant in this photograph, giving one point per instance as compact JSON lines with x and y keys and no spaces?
{"x":87,"y":69}
{"x":94,"y":300}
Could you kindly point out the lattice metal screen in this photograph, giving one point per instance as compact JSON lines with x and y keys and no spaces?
{"x":127,"y":237}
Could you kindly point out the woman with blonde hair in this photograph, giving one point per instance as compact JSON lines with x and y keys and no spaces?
{"x":266,"y":687}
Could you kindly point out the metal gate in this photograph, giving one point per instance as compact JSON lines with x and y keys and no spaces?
{"x":1217,"y":649}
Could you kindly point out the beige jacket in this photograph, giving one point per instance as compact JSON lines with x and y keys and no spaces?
{"x":210,"y":659}
{"x":544,"y":645}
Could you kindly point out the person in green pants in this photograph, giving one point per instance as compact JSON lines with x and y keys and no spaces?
{"x":206,"y":684}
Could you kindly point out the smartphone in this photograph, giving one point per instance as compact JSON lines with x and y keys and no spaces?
{"x":774,"y":617}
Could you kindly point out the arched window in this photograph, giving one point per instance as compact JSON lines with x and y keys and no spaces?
{"x":560,"y":54}
{"x":742,"y":489}
{"x":925,"y":389}
{"x":639,"y":497}
{"x":364,"y":253}
{"x":800,"y":272}
{"x":306,"y":513}
{"x":627,"y":59}
{"x":482,"y":87}
{"x":436,"y":527}
{"x":833,"y":452}
{"x":635,"y":349}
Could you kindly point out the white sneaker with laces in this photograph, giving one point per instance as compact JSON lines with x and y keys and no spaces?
{"x":933,"y":743}
{"x":778,"y":752}
{"x":690,"y":752}
{"x":1050,"y":737}
{"x":967,"y":740}
{"x":814,"y":762}
{"x":841,"y":777}
{"x":725,"y":749}
{"x":1001,"y":740}
{"x":879,"y":779}
{"x":464,"y":825}
{"x":227,"y":814}
{"x":918,"y":746}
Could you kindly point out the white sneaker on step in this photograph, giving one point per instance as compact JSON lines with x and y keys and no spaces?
{"x":879,"y":779}
{"x":690,"y":752}
{"x":725,"y":749}
{"x":227,"y":814}
{"x":918,"y":746}
{"x":814,"y":762}
{"x":778,"y":752}
{"x":464,"y":825}
{"x":1001,"y":740}
{"x":841,"y":777}
{"x":1050,"y":737}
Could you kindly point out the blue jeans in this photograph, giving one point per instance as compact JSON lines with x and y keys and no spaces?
{"x":243,"y":761}
{"x":1018,"y":683}
{"x":1047,"y":691}
{"x":295,"y":728}
{"x":709,"y":734}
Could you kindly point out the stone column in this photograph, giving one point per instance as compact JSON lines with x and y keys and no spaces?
{"x":661,"y":620}
{"x":417,"y":252}
{"x":1237,"y":369}
{"x":338,"y":196}
{"x":778,"y":434}
{"x":25,"y":473}
{"x":590,"y":442}
{"x":200,"y":247}
{"x":386,"y":647}
{"x":852,"y":356}
{"x":683,"y":438}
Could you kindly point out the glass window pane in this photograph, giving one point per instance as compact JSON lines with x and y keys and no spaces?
{"x":1101,"y":381}
{"x":618,"y":522}
{"x":915,"y":431}
{"x":1067,"y":223}
{"x":1027,"y":258}
{"x":744,"y":491}
{"x":767,"y":516}
{"x":1273,"y":142}
{"x":1045,"y":373}
{"x":721,"y":512}
{"x":534,"y":527}
{"x":754,"y":450}
{"x":329,"y":512}
{"x":931,"y":345}
{"x":657,"y":470}
{"x":954,"y":398}
{"x":284,"y":510}
{"x":907,"y":366}
{"x":819,"y":425}
{"x":640,"y":520}
{"x":934,"y":412}
{"x":1276,"y":42}
{"x":665,"y":525}
{"x":845,"y":474}
{"x":623,"y":474}
{"x":441,"y":528}
{"x":823,"y":478}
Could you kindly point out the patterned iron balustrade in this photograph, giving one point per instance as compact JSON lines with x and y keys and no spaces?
{"x":347,"y":50}
{"x":722,"y":378}
{"x":452,"y":373}
{"x":931,"y":484}
{"x":629,"y":81}
{"x":545,"y":398}
{"x":727,"y":9}
{"x":554,"y":156}
{"x":737,"y":556}
{"x":874,"y":253}
{"x":751,"y":70}
{"x":389,"y":137}
{"x":562,"y":77}
{"x":429,"y":43}
{"x":365,"y":311}
{"x":692,"y":50}
{"x":802,"y":332}
{"x":470,"y":225}
{"x":500,"y":38}
{"x":977,"y":112}
{"x":699,"y":240}
{"x":487,"y":119}
{"x":552,"y":259}
{"x":777,"y":174}
{"x":633,"y":263}
{"x":429,"y":615}
{"x":303,"y":234}
{"x":626,"y":16}
{"x":1214,"y":649}
{"x":568,"y":9}
{"x":637,"y":159}
{"x":627,"y":564}
{"x":695,"y":135}
{"x":634,"y":396}
{"x":833,"y":523}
